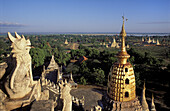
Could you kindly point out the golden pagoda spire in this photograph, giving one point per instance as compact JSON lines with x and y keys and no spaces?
{"x":123,"y":34}
{"x":123,"y":55}
{"x":121,"y":79}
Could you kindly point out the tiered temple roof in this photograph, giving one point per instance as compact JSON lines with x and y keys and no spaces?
{"x":52,"y":64}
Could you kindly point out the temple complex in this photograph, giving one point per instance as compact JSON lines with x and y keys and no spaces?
{"x":150,"y":42}
{"x":52,"y":90}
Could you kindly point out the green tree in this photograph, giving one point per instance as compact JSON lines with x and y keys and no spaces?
{"x":81,"y":52}
{"x":98,"y":75}
{"x":83,"y":80}
{"x":47,"y":49}
{"x":62,"y":57}
{"x":89,"y":52}
{"x":74,"y":68}
{"x":73,"y":53}
{"x":55,"y":51}
{"x":84,"y":68}
{"x":132,"y":59}
{"x":82,"y":47}
{"x":138,"y":81}
{"x":95,"y":53}
{"x":93,"y":40}
{"x":38,"y":56}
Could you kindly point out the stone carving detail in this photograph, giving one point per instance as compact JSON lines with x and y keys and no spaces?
{"x":78,"y":102}
{"x":98,"y":108}
{"x":3,"y":67}
{"x":65,"y":89}
{"x":20,"y":82}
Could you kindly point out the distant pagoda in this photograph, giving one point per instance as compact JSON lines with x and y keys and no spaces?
{"x":149,"y":40}
{"x":66,"y":43}
{"x":113,"y":44}
{"x":157,"y":42}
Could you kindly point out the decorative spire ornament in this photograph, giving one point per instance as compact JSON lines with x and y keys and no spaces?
{"x":123,"y":55}
{"x":143,"y":99}
{"x":152,"y":104}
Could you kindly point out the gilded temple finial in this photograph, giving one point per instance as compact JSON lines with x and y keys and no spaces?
{"x":123,"y":55}
{"x":123,"y":32}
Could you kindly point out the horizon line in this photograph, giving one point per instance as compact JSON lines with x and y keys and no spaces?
{"x":92,"y":32}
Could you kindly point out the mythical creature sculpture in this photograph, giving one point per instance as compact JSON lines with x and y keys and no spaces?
{"x":65,"y":89}
{"x":20,"y":82}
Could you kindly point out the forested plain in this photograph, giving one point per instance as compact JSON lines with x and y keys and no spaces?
{"x":151,"y":63}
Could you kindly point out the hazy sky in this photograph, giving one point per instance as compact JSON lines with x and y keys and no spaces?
{"x":84,"y":15}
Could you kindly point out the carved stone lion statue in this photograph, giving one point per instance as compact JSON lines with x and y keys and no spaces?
{"x":20,"y":82}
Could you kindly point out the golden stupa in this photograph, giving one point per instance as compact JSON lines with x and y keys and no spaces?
{"x":121,"y":79}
